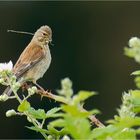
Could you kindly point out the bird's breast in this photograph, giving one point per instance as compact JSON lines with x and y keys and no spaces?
{"x":41,"y":67}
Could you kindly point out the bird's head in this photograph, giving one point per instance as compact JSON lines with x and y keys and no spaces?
{"x":43,"y":35}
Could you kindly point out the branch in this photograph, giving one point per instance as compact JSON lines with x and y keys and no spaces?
{"x":48,"y":94}
{"x":96,"y":121}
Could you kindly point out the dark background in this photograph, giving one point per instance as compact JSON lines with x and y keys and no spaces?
{"x":88,"y":39}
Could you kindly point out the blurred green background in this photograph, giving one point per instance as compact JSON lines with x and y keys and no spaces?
{"x":88,"y":39}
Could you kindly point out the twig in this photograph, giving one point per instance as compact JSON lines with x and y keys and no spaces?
{"x":92,"y":118}
{"x":20,"y":32}
{"x":45,"y":94}
{"x":57,"y":98}
{"x":96,"y":121}
{"x":48,"y":94}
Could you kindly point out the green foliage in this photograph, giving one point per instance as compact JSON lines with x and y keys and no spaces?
{"x":24,"y":106}
{"x":134,"y":49}
{"x":70,"y":120}
{"x":37,"y":114}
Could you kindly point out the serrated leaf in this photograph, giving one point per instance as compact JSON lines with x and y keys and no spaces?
{"x":38,"y":129}
{"x":55,"y":115}
{"x":82,"y":95}
{"x":102,"y":133}
{"x":125,"y":134}
{"x":128,"y":122}
{"x":24,"y":106}
{"x":76,"y":112}
{"x":53,"y":110}
{"x":53,"y":131}
{"x":38,"y":114}
{"x":78,"y":128}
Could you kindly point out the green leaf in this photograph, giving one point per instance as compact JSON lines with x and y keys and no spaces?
{"x":24,"y":106}
{"x":128,"y":122}
{"x":129,"y":52}
{"x":53,"y":131}
{"x":102,"y":133}
{"x":137,"y":81}
{"x":58,"y":123}
{"x":60,"y":99}
{"x":53,"y":111}
{"x":82,"y":95}
{"x":138,"y":131}
{"x":135,"y":93}
{"x":38,"y":129}
{"x":136,"y":102}
{"x":114,"y":133}
{"x":75,"y":111}
{"x":126,"y":133}
{"x":136,"y":109}
{"x":78,"y":128}
{"x":37,"y":114}
{"x":95,"y":111}
{"x":56,"y":115}
{"x":136,"y":72}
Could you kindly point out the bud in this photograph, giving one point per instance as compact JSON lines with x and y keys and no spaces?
{"x":66,"y":90}
{"x":4,"y":97}
{"x":125,"y":129}
{"x":1,"y":80}
{"x":65,"y":138}
{"x":66,"y":83}
{"x":13,"y":79}
{"x":134,"y":42}
{"x":16,"y":86}
{"x":32,"y":90}
{"x":50,"y":137}
{"x":10,"y":113}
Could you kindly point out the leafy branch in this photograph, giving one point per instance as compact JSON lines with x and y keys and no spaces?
{"x":70,"y":119}
{"x":69,"y":104}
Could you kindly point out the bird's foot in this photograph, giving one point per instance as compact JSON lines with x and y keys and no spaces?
{"x":25,"y":86}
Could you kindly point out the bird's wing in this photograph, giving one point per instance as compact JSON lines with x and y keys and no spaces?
{"x":29,"y":57}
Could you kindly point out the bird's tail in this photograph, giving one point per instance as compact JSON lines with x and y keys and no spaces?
{"x":8,"y":91}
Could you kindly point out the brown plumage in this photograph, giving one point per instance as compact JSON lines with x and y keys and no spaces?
{"x":35,"y":59}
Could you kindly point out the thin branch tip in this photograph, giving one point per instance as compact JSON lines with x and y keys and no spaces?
{"x":20,"y":32}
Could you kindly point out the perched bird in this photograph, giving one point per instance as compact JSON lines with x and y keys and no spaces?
{"x":35,"y":59}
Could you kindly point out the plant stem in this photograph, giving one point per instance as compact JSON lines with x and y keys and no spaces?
{"x":16,"y":95}
{"x":42,"y":123}
{"x":96,"y":121}
{"x":36,"y":125}
{"x":57,"y":98}
{"x":32,"y":120}
{"x":12,"y":97}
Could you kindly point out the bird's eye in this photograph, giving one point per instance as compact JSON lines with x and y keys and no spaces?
{"x":44,"y":34}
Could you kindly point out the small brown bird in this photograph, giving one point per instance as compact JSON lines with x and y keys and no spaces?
{"x":35,"y":59}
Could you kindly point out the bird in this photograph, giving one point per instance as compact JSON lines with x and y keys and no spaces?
{"x":35,"y":59}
